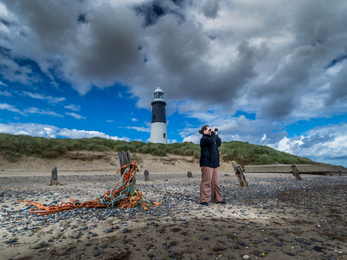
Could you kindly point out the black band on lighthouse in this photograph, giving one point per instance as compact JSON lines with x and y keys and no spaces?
{"x":158,"y":111}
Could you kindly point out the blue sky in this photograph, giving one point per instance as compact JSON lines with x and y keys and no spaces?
{"x":265,"y":72}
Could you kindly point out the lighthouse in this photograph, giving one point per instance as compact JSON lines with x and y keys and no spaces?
{"x":158,"y":124}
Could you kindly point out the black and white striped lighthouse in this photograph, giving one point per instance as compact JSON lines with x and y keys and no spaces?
{"x":158,"y":124}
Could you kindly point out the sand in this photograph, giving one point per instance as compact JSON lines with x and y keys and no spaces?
{"x":276,"y":217}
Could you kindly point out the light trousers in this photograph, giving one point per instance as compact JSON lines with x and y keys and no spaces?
{"x":210,"y":177}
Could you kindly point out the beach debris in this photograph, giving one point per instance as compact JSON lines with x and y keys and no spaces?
{"x":54,"y":176}
{"x":123,"y":195}
{"x":240,"y":176}
{"x":189,"y":175}
{"x":146,"y":173}
{"x":296,"y":172}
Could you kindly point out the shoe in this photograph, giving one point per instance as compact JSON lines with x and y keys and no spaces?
{"x":222,"y":202}
{"x":204,"y":203}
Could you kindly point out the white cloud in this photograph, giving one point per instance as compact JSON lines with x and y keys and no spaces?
{"x":5,"y":93}
{"x":73,"y":107}
{"x":77,"y":116}
{"x":5,"y":106}
{"x":50,"y":131}
{"x":171,"y":141}
{"x":192,"y":138}
{"x":134,"y":120}
{"x":50,"y":99}
{"x":139,"y":129}
{"x":109,"y":121}
{"x":324,"y":144}
{"x":35,"y":110}
{"x":2,"y":83}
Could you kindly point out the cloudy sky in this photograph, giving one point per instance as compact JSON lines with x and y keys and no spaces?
{"x":268,"y":72}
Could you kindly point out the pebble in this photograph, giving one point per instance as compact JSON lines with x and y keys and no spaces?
{"x":103,"y":246}
{"x":11,"y":241}
{"x":180,"y":198}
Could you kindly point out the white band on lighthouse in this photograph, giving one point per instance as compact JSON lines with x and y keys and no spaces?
{"x":158,"y":133}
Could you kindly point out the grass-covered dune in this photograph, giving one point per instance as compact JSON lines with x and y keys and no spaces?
{"x":13,"y":147}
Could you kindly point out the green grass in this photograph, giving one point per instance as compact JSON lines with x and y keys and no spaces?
{"x":13,"y":147}
{"x":251,"y":154}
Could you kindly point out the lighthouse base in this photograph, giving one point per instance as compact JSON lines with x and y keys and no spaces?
{"x":158,"y":133}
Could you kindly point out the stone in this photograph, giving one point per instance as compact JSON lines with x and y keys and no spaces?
{"x":189,"y":175}
{"x":11,"y":241}
{"x":318,"y":248}
{"x":97,"y":253}
{"x":125,"y":230}
{"x":103,"y":246}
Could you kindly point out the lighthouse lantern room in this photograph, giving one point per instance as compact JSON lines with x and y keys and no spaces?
{"x":158,"y":124}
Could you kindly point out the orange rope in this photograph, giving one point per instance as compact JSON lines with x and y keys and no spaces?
{"x":132,"y":199}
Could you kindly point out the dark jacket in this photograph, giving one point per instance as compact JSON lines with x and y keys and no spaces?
{"x":209,"y":150}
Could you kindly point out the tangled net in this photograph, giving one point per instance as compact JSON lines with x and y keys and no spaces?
{"x":123,"y":195}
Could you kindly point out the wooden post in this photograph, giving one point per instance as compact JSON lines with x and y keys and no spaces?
{"x":189,"y":174}
{"x":296,"y":173}
{"x":240,"y":176}
{"x":146,"y":175}
{"x":54,"y":176}
{"x":124,"y":158}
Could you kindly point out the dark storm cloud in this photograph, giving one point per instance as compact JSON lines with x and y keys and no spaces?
{"x":210,"y":9}
{"x":267,"y":57}
{"x":338,"y":88}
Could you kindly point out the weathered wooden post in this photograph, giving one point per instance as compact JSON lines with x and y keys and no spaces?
{"x":240,"y":176}
{"x":54,"y":176}
{"x":296,"y":173}
{"x":189,"y":174}
{"x":146,"y":175}
{"x":124,"y":159}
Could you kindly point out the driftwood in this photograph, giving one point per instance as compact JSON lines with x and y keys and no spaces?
{"x":296,"y":173}
{"x":54,"y":176}
{"x":240,"y":176}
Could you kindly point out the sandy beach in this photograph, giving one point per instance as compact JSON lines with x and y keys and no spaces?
{"x":276,"y":217}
